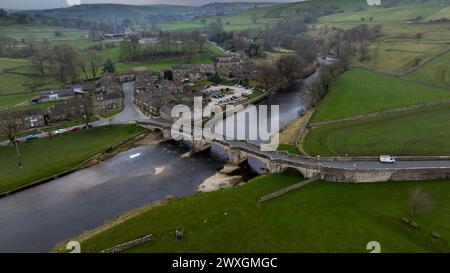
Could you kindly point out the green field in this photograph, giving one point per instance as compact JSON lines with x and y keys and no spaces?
{"x":19,"y":31}
{"x":418,"y":132}
{"x":398,"y":49}
{"x":264,"y":15}
{"x":290,"y":148}
{"x":322,"y":217}
{"x":394,"y":14}
{"x":10,"y":100}
{"x":359,"y":92}
{"x":12,"y":83}
{"x":436,"y":71}
{"x":164,"y":64}
{"x":45,"y":157}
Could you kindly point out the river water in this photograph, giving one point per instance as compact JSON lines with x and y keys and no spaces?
{"x":38,"y":218}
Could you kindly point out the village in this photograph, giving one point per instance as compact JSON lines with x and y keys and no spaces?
{"x":226,"y":81}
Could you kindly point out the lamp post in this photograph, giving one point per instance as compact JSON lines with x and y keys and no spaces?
{"x":18,"y":152}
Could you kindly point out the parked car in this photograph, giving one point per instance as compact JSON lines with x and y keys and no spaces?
{"x":32,"y":137}
{"x":74,"y":129}
{"x":60,"y":132}
{"x":387,"y":159}
{"x":86,"y":126}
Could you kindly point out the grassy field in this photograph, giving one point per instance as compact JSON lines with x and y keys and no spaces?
{"x":397,"y":50}
{"x":394,"y":14}
{"x":359,"y":92}
{"x":436,"y":71}
{"x":164,"y":64}
{"x":46,"y":157}
{"x":322,"y":217}
{"x":19,"y":31}
{"x":12,"y":83}
{"x":418,"y":132}
{"x":10,"y":100}
{"x":290,"y":148}
{"x":263,"y":15}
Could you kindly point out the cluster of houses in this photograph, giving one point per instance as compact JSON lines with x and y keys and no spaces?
{"x":106,"y":94}
{"x":156,"y":93}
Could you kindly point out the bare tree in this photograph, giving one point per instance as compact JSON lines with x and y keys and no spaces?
{"x":290,"y":66}
{"x":95,"y":62}
{"x":267,"y":74}
{"x":86,"y":108}
{"x":41,"y":57}
{"x":419,"y":201}
{"x":10,"y":124}
{"x":191,"y":49}
{"x":81,"y":64}
{"x":63,"y":62}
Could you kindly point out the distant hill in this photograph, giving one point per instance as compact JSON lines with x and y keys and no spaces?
{"x":118,"y":13}
{"x":284,"y":10}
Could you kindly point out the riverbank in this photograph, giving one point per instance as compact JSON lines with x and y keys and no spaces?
{"x":47,"y":159}
{"x":290,"y":223}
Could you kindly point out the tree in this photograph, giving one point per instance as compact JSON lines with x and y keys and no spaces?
{"x":290,"y":66}
{"x":108,"y":67}
{"x":7,"y":44}
{"x":95,"y":61}
{"x":419,"y":201}
{"x":86,"y":108}
{"x":30,"y":44}
{"x":63,"y":62}
{"x":81,"y":64}
{"x":190,"y":48}
{"x":10,"y":124}
{"x":267,"y":74}
{"x":130,"y":49}
{"x":41,"y":56}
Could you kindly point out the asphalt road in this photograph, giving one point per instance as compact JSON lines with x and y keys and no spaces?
{"x":129,"y":114}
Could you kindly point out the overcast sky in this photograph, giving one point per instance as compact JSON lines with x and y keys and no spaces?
{"x":45,"y":4}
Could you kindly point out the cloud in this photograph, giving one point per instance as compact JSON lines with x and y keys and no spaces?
{"x":27,"y":4}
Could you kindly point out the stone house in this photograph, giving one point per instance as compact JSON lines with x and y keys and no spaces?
{"x":34,"y":118}
{"x":69,"y":110}
{"x":231,"y":66}
{"x":108,"y":101}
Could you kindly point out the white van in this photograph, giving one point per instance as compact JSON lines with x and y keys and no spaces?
{"x":387,"y":159}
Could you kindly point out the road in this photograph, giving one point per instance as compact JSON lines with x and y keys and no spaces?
{"x":358,"y":164}
{"x":130,"y":114}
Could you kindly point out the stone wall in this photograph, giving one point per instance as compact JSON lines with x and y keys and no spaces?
{"x":130,"y":244}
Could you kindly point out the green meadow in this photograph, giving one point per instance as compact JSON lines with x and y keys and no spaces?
{"x":418,"y":132}
{"x":322,"y":217}
{"x":46,"y":157}
{"x":358,"y":92}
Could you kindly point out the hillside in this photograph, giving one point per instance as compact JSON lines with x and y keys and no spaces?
{"x":117,"y":13}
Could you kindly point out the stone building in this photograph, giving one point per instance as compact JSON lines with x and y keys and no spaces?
{"x":108,"y":101}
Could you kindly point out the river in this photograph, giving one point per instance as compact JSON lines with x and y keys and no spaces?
{"x":36,"y":219}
